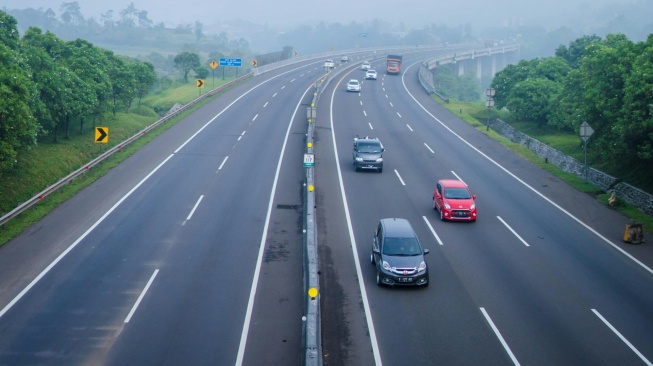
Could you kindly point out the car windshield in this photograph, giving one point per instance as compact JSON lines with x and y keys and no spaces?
{"x":457,"y":194}
{"x":369,"y":148}
{"x":353,"y":83}
{"x":401,"y":247}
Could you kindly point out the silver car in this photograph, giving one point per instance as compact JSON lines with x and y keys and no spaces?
{"x":353,"y":85}
{"x":370,"y":75}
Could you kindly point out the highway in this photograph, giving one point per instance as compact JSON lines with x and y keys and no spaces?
{"x":190,"y":251}
{"x":540,"y":279}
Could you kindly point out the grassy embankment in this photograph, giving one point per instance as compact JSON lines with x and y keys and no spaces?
{"x":476,"y":115}
{"x":48,"y":163}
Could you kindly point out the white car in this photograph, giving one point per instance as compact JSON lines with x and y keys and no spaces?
{"x":370,"y":74}
{"x":329,"y":64}
{"x":344,"y":59}
{"x":353,"y":85}
{"x":365,"y":66}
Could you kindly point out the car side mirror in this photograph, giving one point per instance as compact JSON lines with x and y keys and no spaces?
{"x":376,"y":251}
{"x":382,"y":149}
{"x":426,"y":251}
{"x":474,"y":197}
{"x":437,"y":194}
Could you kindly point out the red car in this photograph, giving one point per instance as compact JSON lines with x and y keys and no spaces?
{"x":454,"y":201}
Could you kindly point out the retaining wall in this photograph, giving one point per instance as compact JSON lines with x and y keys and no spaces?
{"x":606,"y":182}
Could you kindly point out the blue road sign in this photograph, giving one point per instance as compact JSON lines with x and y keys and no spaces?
{"x":238,"y":62}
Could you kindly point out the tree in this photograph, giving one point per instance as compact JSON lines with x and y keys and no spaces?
{"x":90,"y":64}
{"x":128,"y":15}
{"x":18,"y":127}
{"x":144,"y":76}
{"x":201,"y":72}
{"x":71,"y":13}
{"x":552,"y":68}
{"x":533,"y":99}
{"x":199,"y":31}
{"x":42,"y":66}
{"x":185,"y":62}
{"x":568,"y":114}
{"x":143,"y":20}
{"x":505,"y":80}
{"x":8,"y":30}
{"x":576,"y":50}
{"x":603,"y":70}
{"x":636,"y":124}
{"x":123,"y":84}
{"x":468,"y":88}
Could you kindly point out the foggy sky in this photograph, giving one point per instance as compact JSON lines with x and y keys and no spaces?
{"x":290,"y":13}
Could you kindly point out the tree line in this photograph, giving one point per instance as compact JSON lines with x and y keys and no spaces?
{"x":48,"y":86}
{"x":606,"y":82}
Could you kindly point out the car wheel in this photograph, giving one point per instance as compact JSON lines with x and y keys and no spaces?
{"x":380,"y":170}
{"x":378,"y":277}
{"x":441,"y":215}
{"x":357,"y":169}
{"x":434,"y":206}
{"x":372,"y":257}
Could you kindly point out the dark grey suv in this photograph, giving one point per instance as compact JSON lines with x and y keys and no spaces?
{"x":368,"y":154}
{"x":398,"y":255}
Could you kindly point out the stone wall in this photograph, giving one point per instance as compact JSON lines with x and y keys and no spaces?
{"x":624,"y":191}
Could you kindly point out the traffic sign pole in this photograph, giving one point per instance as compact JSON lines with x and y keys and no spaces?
{"x":585,"y":132}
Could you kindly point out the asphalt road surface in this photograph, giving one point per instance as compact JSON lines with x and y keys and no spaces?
{"x":189,"y":252}
{"x":540,"y":279}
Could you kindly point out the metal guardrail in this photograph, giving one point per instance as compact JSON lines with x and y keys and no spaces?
{"x":312,"y":342}
{"x":70,"y":177}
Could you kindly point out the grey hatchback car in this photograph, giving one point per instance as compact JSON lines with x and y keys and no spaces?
{"x":398,"y":255}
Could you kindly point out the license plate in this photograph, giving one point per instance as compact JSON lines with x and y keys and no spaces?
{"x":405,"y":279}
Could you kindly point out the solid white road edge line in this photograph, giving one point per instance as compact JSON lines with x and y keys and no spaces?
{"x":79,"y":240}
{"x":623,"y":339}
{"x":498,"y":334}
{"x":354,"y":248}
{"x":261,"y":252}
{"x":370,"y":124}
{"x":513,"y":231}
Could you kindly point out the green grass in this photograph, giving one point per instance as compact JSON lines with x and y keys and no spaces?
{"x":476,"y":114}
{"x":45,"y":165}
